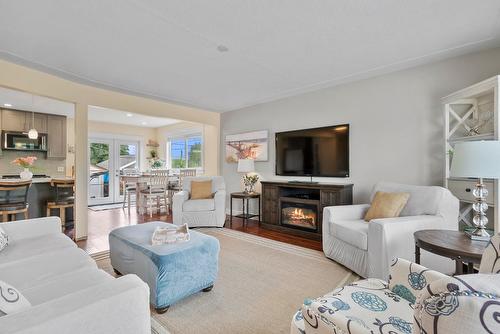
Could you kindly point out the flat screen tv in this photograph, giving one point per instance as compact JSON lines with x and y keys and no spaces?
{"x":313,"y":152}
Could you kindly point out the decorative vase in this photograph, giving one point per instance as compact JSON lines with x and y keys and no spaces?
{"x":26,"y":174}
{"x":250,"y":188}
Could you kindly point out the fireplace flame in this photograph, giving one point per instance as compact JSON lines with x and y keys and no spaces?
{"x":298,"y":215}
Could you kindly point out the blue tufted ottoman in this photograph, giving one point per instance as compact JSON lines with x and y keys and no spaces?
{"x":172,"y":271}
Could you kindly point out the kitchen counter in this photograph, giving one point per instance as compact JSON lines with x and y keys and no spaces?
{"x":34,"y":180}
{"x":39,"y":194}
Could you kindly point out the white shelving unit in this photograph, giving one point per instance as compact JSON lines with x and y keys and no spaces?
{"x":472,"y":114}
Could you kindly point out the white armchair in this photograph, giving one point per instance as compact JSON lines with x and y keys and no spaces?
{"x":200,"y":212}
{"x":367,"y":248}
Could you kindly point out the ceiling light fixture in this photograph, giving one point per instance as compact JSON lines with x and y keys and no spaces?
{"x":222,"y":48}
{"x":144,"y":123}
{"x":8,"y":105}
{"x":129,"y":114}
{"x":32,"y":133}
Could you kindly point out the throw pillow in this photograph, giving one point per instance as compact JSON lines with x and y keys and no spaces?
{"x":4,"y":239}
{"x":201,"y":189}
{"x":11,"y":300}
{"x":386,"y":205}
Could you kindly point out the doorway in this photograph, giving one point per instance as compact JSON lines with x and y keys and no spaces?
{"x":107,"y":160}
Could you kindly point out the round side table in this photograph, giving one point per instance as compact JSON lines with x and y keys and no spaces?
{"x":451,"y":244}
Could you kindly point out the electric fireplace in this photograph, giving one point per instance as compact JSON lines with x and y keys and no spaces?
{"x":302,"y":216}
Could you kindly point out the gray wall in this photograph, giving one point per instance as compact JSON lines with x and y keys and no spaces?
{"x":396,"y":122}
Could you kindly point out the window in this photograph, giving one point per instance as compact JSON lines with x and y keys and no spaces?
{"x":186,"y":152}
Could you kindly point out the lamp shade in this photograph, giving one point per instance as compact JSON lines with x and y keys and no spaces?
{"x":476,"y":159}
{"x":246,"y":166}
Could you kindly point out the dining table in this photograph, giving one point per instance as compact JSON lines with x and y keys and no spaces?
{"x":141,"y":181}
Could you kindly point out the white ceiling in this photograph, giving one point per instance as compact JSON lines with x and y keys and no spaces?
{"x":15,"y":99}
{"x":121,"y":117}
{"x":168,"y":49}
{"x":23,"y":101}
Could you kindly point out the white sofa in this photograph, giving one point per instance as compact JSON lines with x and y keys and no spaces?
{"x":200,"y":212}
{"x":67,"y":292}
{"x":367,"y":248}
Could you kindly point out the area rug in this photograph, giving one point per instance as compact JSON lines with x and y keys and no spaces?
{"x":261,"y":284}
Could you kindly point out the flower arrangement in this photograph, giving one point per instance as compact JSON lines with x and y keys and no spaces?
{"x":156,"y":163}
{"x":249,"y":181}
{"x":24,"y":162}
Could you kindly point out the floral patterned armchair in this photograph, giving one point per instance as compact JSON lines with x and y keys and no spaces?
{"x":415,"y":300}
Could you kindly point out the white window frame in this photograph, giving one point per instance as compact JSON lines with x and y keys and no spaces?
{"x":185,"y":138}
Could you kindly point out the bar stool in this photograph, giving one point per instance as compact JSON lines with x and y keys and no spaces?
{"x":14,"y":199}
{"x":65,"y":198}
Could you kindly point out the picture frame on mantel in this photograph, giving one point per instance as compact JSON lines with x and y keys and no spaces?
{"x":248,"y":145}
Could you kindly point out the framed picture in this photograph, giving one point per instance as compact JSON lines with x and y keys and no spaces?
{"x":248,"y":145}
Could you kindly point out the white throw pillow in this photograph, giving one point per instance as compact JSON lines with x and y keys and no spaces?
{"x":4,"y":239}
{"x":11,"y":300}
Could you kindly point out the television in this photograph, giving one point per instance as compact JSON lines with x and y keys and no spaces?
{"x":313,"y":152}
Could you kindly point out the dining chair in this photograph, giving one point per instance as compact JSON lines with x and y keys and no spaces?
{"x":129,"y":184}
{"x":155,"y":192}
{"x":185,"y":172}
{"x":64,"y":198}
{"x":176,"y":186}
{"x":14,"y":199}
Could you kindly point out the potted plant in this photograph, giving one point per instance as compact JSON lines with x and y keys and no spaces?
{"x":156,"y":163}
{"x":27,"y":164}
{"x":250,"y":181}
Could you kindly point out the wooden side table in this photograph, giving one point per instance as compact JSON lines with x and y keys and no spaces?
{"x":451,"y":244}
{"x":245,"y":215}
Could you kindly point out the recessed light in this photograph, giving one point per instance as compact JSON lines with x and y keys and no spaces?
{"x":222,"y":48}
{"x":129,"y":114}
{"x":144,"y":123}
{"x":8,"y":105}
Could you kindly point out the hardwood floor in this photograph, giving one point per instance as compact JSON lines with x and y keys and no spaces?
{"x":102,"y":222}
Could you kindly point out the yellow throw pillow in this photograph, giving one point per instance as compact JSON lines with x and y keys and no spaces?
{"x":201,"y":189}
{"x":386,"y":205}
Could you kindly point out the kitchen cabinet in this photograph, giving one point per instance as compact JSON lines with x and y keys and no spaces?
{"x":13,"y":120}
{"x":22,"y":121}
{"x":56,"y":137}
{"x":40,"y":122}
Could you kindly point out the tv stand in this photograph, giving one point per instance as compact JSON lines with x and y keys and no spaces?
{"x":304,"y":182}
{"x":278,"y":195}
{"x":308,"y":182}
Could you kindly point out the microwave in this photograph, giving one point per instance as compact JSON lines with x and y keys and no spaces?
{"x":12,"y":140}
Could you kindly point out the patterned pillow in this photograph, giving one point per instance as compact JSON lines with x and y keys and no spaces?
{"x":490,"y":263}
{"x":11,"y":300}
{"x":4,"y":239}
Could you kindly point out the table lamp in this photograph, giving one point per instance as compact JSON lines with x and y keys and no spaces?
{"x":246,"y":166}
{"x":477,"y":159}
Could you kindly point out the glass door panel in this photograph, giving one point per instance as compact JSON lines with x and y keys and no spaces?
{"x":100,"y":165}
{"x":127,"y":155}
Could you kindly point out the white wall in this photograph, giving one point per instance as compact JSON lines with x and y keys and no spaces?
{"x":396,"y":122}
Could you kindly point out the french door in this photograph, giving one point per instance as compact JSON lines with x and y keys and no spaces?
{"x":107,"y":160}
